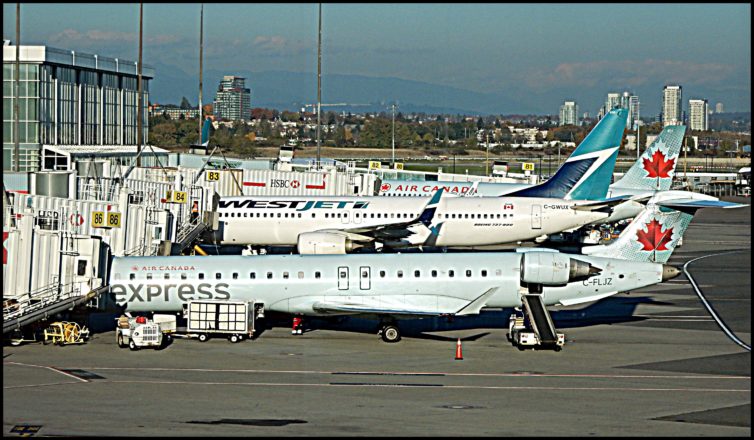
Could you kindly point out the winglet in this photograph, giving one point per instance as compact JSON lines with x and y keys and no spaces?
{"x":428,"y":214}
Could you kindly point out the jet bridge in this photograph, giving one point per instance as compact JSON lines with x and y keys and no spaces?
{"x":536,"y":327}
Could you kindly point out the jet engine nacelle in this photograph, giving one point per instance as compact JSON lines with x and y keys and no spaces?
{"x":323,"y":243}
{"x":554,"y":269}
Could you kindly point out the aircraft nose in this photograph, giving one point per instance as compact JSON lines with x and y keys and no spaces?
{"x":669,"y":272}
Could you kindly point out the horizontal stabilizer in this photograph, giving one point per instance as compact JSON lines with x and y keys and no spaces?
{"x":694,"y":203}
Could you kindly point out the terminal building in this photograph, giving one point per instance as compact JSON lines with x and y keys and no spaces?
{"x":68,"y":98}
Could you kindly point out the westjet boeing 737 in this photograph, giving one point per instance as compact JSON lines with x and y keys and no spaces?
{"x":575,"y":196}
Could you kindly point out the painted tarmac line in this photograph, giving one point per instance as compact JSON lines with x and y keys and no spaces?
{"x":405,"y":373}
{"x":424,"y":386}
{"x":47,"y":367}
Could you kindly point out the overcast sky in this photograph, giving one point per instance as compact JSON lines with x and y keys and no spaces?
{"x":543,"y":48}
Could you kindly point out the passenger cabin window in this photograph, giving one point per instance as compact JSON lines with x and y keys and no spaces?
{"x":382,"y":274}
{"x":417,"y":274}
{"x":468,"y":272}
{"x":201,"y":276}
{"x":317,"y":275}
{"x":451,"y":273}
{"x":252,"y":275}
{"x":400,"y":274}
{"x":167,"y":276}
{"x":285,"y":275}
{"x":149,"y":276}
{"x":269,"y":275}
{"x":218,"y":275}
{"x":184,"y":276}
{"x":235,"y":275}
{"x":484,"y":273}
{"x":434,"y":274}
{"x":131,"y":276}
{"x":301,"y":275}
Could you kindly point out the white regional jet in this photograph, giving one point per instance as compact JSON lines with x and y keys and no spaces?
{"x":396,"y":285}
{"x":336,"y":225}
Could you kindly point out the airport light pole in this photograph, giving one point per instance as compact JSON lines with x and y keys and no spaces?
{"x":392,"y":164}
{"x":201,"y":54}
{"x":319,"y":83}
{"x":139,"y":98}
{"x":16,"y":148}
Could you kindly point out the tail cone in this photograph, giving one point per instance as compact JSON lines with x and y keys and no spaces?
{"x":669,"y":272}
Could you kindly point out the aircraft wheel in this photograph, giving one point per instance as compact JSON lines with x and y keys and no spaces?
{"x":132,"y":345}
{"x":203,"y":337}
{"x":390,"y":333}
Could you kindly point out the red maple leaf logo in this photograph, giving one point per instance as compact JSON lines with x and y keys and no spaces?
{"x":654,"y":239}
{"x":658,"y":166}
{"x":385,"y":187}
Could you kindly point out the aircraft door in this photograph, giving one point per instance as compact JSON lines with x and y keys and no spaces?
{"x":364,"y":277}
{"x":536,"y":216}
{"x":342,"y":278}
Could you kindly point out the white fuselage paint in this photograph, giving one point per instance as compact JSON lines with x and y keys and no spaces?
{"x":466,"y":221}
{"x":435,"y":283}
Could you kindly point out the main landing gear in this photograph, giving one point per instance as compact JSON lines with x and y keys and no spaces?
{"x":389,"y":331}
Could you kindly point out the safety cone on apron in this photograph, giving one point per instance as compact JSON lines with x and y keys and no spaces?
{"x":459,"y":355}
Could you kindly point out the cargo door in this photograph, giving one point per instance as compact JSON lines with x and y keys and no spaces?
{"x":342,"y":278}
{"x":536,"y":216}
{"x":365,"y":278}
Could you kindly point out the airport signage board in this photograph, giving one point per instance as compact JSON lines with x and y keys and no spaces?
{"x":374,"y":165}
{"x":527,"y":166}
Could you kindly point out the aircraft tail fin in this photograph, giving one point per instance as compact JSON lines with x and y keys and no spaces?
{"x":655,"y":169}
{"x":650,"y":237}
{"x":587,"y":173}
{"x":430,"y":208}
{"x":205,"y":133}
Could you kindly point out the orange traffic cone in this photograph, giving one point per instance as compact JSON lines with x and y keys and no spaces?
{"x":459,"y":355}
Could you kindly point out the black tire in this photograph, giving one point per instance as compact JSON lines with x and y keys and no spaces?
{"x":119,"y":339}
{"x":132,"y":345}
{"x":234,"y":338}
{"x":390,"y":333}
{"x":558,"y":348}
{"x":203,"y":337}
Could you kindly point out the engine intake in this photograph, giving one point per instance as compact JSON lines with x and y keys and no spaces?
{"x":554,"y":269}
{"x":324,"y":243}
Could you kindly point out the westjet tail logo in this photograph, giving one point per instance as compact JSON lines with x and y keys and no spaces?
{"x":298,"y":205}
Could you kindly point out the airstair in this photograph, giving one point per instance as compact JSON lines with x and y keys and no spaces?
{"x":535,"y":328}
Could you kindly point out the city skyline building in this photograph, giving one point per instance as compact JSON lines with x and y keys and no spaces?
{"x":69,"y":98}
{"x":613,"y":100}
{"x":672,"y":105}
{"x":233,"y":99}
{"x":698,"y":115}
{"x":569,"y":113}
{"x":719,"y":107}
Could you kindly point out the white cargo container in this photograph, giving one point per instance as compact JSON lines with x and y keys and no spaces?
{"x":232,"y":319}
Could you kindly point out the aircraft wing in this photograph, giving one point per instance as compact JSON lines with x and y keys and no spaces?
{"x":599,"y":204}
{"x":392,"y":231}
{"x":343,"y":308}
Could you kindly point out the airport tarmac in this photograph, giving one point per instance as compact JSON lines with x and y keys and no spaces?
{"x":648,"y":363}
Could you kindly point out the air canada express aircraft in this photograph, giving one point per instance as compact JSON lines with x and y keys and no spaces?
{"x":573,"y":197}
{"x":395,"y":285}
